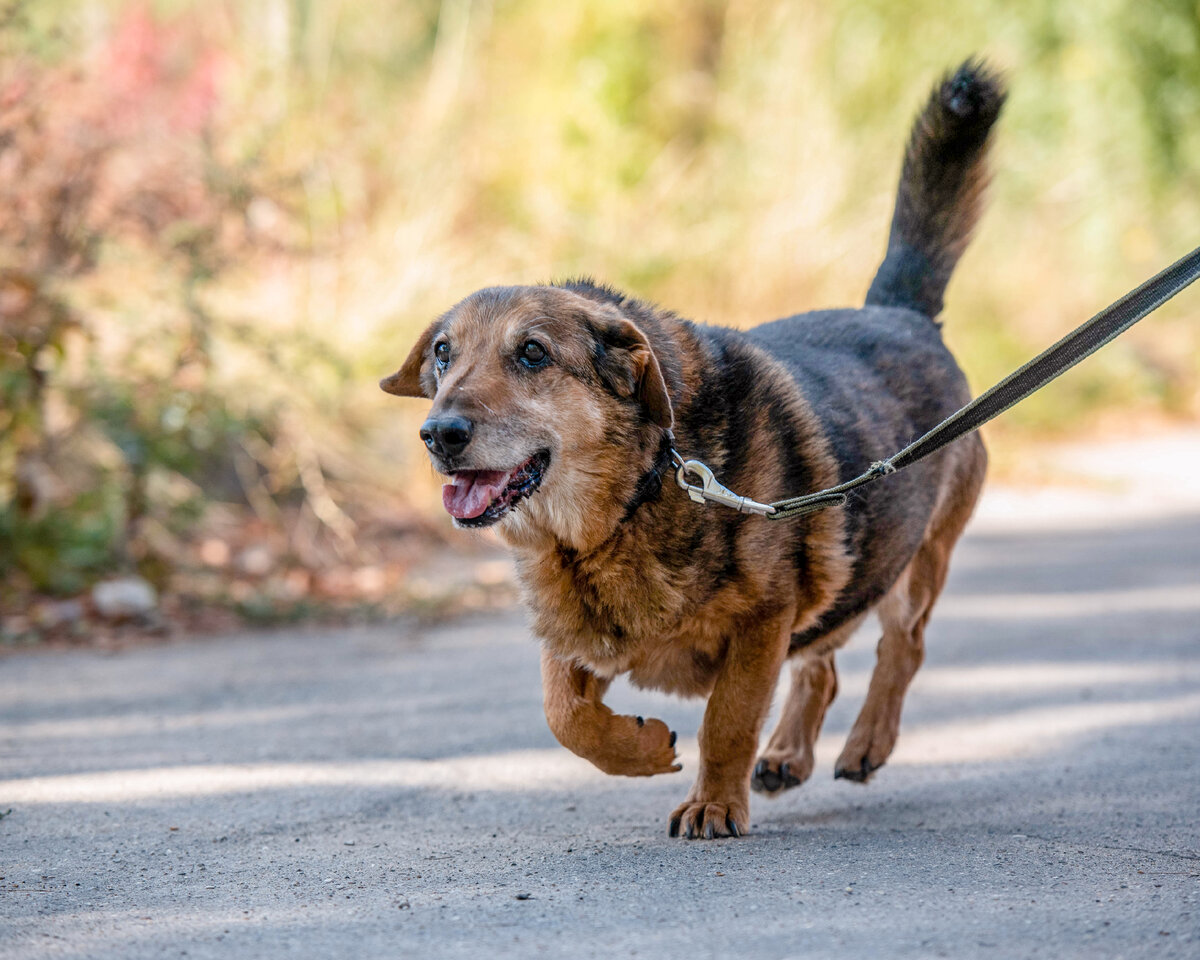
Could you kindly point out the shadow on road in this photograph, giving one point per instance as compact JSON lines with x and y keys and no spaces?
{"x":276,"y":793}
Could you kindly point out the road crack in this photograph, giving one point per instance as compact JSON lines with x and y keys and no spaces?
{"x":1121,"y":849}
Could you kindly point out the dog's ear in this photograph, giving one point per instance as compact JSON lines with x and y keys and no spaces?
{"x":626,"y":363}
{"x":406,"y":382}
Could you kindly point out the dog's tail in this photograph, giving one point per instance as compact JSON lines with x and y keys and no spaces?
{"x":941,"y":190}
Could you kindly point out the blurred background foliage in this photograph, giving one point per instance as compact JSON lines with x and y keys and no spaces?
{"x":221,"y":222}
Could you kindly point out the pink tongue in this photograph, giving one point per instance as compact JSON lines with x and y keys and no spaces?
{"x":469,"y":492}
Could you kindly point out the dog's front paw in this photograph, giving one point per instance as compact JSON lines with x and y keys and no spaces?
{"x":710,"y":819}
{"x":634,"y":747}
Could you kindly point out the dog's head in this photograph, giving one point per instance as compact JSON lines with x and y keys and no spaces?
{"x":546,"y":405}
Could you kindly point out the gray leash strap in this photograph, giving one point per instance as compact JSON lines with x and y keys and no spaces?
{"x":1052,"y":363}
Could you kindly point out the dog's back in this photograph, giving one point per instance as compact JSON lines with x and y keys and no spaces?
{"x":880,"y":376}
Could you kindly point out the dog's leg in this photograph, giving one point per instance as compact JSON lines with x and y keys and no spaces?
{"x":903,"y":612}
{"x":718,"y":804}
{"x":788,"y":759}
{"x":618,"y":744}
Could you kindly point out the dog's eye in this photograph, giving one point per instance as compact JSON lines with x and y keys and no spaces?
{"x":442,"y":353}
{"x":533,"y":354}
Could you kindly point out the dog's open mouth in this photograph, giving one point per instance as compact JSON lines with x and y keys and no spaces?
{"x":477,"y":498}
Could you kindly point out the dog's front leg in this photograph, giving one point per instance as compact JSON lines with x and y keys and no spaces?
{"x":718,"y":804}
{"x":618,"y":744}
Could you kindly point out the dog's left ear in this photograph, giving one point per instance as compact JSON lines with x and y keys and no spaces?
{"x":406,"y":382}
{"x":627,"y":365}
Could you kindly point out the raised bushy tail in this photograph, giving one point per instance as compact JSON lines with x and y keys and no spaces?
{"x":941,"y":190}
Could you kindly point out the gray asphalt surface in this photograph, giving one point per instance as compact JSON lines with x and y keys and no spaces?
{"x":393,"y":792}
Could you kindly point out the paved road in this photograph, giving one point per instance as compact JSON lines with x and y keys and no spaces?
{"x":389,"y":792}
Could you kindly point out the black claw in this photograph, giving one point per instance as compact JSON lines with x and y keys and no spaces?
{"x":691,"y":830}
{"x":732,"y":826}
{"x":671,"y":742}
{"x":768,"y":778}
{"x":673,"y":828}
{"x":860,"y":775}
{"x":709,"y":832}
{"x":641,"y":722}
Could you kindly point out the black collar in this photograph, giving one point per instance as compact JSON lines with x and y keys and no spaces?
{"x":649,"y":484}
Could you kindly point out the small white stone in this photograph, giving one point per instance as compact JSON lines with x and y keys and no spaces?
{"x":256,"y":560}
{"x":127,"y":597}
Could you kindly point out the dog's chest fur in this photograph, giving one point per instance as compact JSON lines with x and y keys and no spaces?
{"x":623,"y":610}
{"x":648,"y":605}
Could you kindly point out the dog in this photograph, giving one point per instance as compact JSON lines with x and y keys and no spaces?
{"x":556,"y":410}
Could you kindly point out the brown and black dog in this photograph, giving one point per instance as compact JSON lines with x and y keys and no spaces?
{"x":555,"y":409}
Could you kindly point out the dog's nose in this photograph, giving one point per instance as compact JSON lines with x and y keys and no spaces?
{"x":447,"y":435}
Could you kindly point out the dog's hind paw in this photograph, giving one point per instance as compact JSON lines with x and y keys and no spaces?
{"x":772,"y":776}
{"x":859,"y":772}
{"x":867,"y":748}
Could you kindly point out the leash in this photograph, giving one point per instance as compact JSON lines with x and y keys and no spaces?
{"x":1049,"y":365}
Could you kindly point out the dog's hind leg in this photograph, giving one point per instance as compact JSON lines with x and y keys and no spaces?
{"x":903,"y":613}
{"x":787,"y":760}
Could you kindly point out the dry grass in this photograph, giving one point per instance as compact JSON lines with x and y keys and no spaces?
{"x":326,"y":178}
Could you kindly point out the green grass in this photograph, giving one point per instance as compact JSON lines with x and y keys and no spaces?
{"x":733,"y":161}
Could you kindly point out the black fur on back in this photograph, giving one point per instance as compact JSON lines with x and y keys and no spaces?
{"x":941,"y":190}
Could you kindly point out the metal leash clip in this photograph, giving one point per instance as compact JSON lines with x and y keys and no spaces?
{"x":711,"y":490}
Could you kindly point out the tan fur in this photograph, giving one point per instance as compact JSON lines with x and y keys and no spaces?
{"x":789,"y":754}
{"x":617,"y":744}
